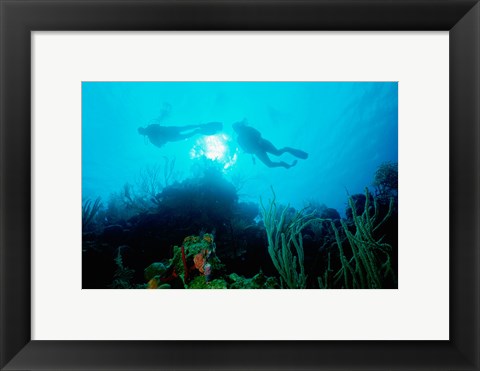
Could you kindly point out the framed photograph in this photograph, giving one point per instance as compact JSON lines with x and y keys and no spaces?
{"x":193,"y":206}
{"x":239,"y":185}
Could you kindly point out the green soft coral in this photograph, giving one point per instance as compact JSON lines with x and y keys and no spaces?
{"x":200,"y":283}
{"x":371,"y":261}
{"x":285,"y":243}
{"x":259,"y":281}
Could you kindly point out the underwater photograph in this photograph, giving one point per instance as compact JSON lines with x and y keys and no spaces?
{"x":239,"y":185}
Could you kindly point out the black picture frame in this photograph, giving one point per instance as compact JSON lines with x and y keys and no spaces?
{"x":18,"y":18}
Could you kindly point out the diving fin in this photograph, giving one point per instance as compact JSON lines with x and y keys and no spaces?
{"x":211,"y":128}
{"x":297,"y":153}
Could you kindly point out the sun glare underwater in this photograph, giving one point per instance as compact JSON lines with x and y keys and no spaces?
{"x":239,"y":185}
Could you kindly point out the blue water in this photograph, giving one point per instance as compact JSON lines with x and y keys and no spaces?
{"x":348,"y":130}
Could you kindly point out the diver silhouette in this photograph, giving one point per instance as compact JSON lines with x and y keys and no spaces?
{"x":252,"y":142}
{"x":160,"y":135}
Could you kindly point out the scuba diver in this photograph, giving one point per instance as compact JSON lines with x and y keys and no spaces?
{"x":160,"y":135}
{"x":252,"y":142}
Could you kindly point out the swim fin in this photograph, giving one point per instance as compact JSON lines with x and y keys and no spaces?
{"x":211,"y":128}
{"x":297,"y":153}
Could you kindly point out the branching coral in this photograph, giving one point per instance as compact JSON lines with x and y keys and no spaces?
{"x":386,"y":181}
{"x":284,"y":237}
{"x":123,"y":275}
{"x":149,"y":182}
{"x":371,"y":262}
{"x":325,"y":282}
{"x":89,"y":210}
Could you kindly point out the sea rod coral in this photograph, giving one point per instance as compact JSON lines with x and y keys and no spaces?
{"x":285,"y":243}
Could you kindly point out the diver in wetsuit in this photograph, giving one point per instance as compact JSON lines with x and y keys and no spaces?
{"x":160,"y":135}
{"x":252,"y":142}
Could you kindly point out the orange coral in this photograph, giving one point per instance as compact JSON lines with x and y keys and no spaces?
{"x":152,"y":284}
{"x":199,"y":261}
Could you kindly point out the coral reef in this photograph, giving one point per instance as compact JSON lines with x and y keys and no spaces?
{"x":123,"y":275}
{"x":200,"y":283}
{"x":138,"y":240}
{"x":155,"y":269}
{"x":259,"y":281}
{"x":196,"y":257}
{"x":386,"y":181}
{"x":283,"y":234}
{"x":370,"y":263}
{"x":89,"y":211}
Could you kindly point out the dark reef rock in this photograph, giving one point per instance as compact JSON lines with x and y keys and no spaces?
{"x":98,"y":266}
{"x":329,"y":213}
{"x":113,"y":234}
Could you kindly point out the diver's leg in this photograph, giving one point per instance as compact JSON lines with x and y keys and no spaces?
{"x":269,"y":147}
{"x":183,"y":128}
{"x":182,"y":136}
{"x":190,"y":127}
{"x":266,"y":160}
{"x":296,"y":152}
{"x":209,"y":128}
{"x":178,"y":133}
